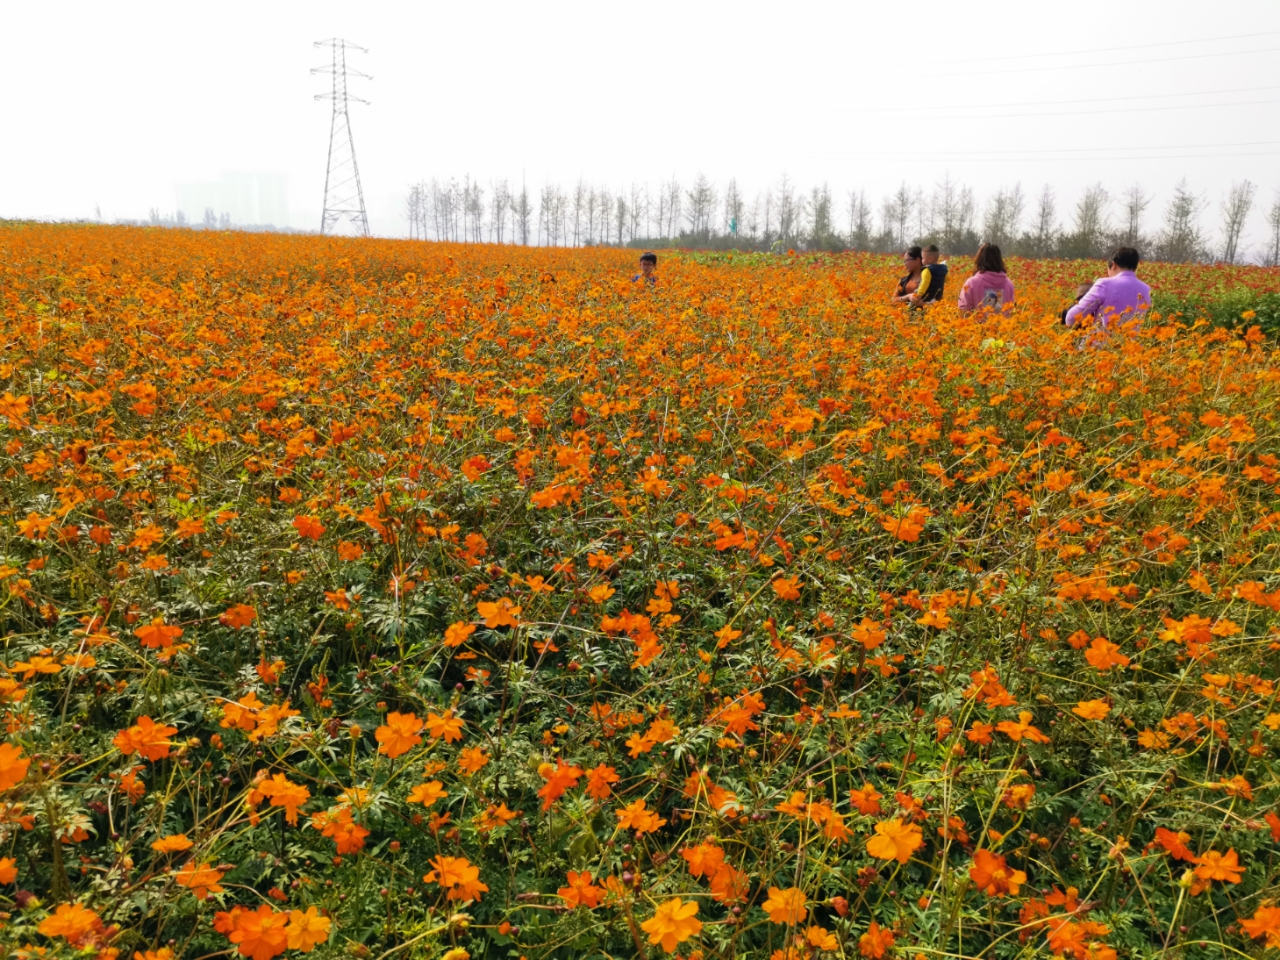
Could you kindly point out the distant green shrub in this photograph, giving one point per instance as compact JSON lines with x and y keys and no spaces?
{"x":1225,"y":308}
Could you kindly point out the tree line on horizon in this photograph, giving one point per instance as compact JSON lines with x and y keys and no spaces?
{"x":786,"y":217}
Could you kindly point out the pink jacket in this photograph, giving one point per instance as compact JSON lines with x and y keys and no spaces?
{"x":992,"y":289}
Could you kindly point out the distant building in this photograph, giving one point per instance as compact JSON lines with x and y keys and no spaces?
{"x":245,"y":198}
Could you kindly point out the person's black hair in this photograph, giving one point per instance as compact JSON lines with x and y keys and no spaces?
{"x":913,"y":253}
{"x":931,"y":248}
{"x":1126,"y":258}
{"x":989,"y":259}
{"x":650,"y":258}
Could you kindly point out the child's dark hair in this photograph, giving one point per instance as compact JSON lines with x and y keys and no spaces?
{"x":989,"y":259}
{"x":649,"y":258}
{"x":931,"y":248}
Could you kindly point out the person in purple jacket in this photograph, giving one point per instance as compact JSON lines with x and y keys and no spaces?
{"x":1117,"y":299}
{"x":989,"y":286}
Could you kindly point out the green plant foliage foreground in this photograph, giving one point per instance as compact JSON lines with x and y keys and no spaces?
{"x":383,"y":599}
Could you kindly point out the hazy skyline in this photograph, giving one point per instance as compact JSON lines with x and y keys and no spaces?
{"x":117,"y":106}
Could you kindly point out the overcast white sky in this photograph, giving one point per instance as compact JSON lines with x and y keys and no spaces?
{"x":113,"y":105}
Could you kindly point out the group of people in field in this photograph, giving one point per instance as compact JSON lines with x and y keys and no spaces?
{"x":1114,"y":300}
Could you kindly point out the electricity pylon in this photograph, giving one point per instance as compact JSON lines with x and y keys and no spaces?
{"x":343,"y":196}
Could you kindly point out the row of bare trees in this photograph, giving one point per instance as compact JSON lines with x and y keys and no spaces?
{"x":784,"y":216}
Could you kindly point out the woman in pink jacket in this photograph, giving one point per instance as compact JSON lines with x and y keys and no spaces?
{"x":988,"y":287}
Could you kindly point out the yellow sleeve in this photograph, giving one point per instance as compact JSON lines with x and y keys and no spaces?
{"x":925,"y":279}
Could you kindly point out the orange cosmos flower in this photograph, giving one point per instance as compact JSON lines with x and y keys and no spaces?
{"x":474,"y":467}
{"x":980,"y":733}
{"x":457,"y":876}
{"x":600,"y":593}
{"x":337,"y":824}
{"x":282,"y":793}
{"x":471,"y":759}
{"x":444,"y":725}
{"x":895,"y":840}
{"x":427,"y":793}
{"x":146,"y":738}
{"x":1265,"y":922}
{"x":1224,"y":867}
{"x":259,"y":934}
{"x":876,"y":942}
{"x":673,"y":923}
{"x":869,"y":633}
{"x":306,"y":931}
{"x":580,"y":891}
{"x":456,"y":634}
{"x":634,"y":816}
{"x":821,"y":939}
{"x":173,"y":843}
{"x":502,"y":613}
{"x":308,"y":527}
{"x":157,"y":635}
{"x":36,"y":665}
{"x":786,"y":906}
{"x":704,"y":860}
{"x":560,"y":777}
{"x":1022,"y":729}
{"x":994,"y":876}
{"x":13,"y":766}
{"x":1103,"y":655}
{"x":866,"y":800}
{"x":494,"y":817}
{"x":201,"y":880}
{"x":71,"y":921}
{"x":1174,"y":843}
{"x":399,"y":734}
{"x":730,"y":885}
{"x":239,"y":616}
{"x":1091,"y":709}
{"x":787,"y":588}
{"x":599,"y":779}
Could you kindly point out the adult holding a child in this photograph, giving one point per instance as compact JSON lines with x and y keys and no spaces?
{"x":1115,"y":300}
{"x":913,"y":260}
{"x":933,"y":278}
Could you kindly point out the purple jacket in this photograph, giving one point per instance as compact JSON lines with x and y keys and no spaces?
{"x":1115,"y":299}
{"x":992,"y":289}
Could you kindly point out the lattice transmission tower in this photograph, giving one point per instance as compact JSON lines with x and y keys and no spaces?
{"x":343,"y":195}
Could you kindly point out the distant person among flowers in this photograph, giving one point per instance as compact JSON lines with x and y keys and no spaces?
{"x":1116,"y":299}
{"x":648,"y":270}
{"x":933,"y":277}
{"x":913,"y":260}
{"x":1081,"y":291}
{"x":989,"y":286}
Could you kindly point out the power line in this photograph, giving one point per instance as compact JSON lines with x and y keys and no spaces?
{"x":947,"y":158}
{"x":1113,"y":63}
{"x":1093,"y":113}
{"x":1135,"y":46}
{"x":1095,"y":149}
{"x":1052,"y":103}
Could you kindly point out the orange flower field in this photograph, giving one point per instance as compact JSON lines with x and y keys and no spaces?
{"x":387,"y":599}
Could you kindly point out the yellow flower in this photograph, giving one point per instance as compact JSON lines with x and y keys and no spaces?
{"x":895,"y":840}
{"x":673,"y":924}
